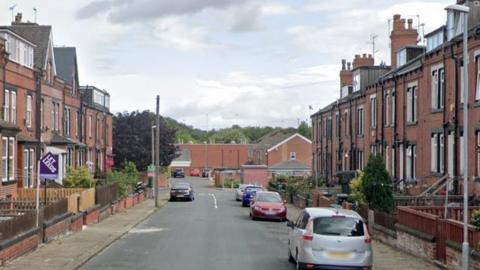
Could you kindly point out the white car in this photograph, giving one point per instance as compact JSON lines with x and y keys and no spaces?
{"x":239,"y":191}
{"x":329,"y":238}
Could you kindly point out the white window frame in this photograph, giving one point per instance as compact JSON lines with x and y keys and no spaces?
{"x":393,"y":108}
{"x":360,"y":121}
{"x":293,"y":155}
{"x":477,"y":90}
{"x":387,"y":109}
{"x":6,"y":106}
{"x":412,"y":104}
{"x":13,"y":104}
{"x":438,"y":88}
{"x":28,"y":117}
{"x":373,"y":111}
{"x":89,"y":126}
{"x":437,"y":153}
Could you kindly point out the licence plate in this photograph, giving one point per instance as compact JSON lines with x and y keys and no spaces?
{"x":340,"y":255}
{"x":179,"y":195}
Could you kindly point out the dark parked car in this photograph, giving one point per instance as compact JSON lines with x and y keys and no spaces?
{"x":178,"y":173}
{"x":182,"y":191}
{"x":206,"y":173}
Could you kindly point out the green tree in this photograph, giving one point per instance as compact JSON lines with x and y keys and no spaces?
{"x":305,"y":130}
{"x":78,"y":178}
{"x":132,"y":135}
{"x":377,"y":186}
{"x":229,"y":135}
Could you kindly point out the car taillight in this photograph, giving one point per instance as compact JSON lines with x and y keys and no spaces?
{"x":308,"y":237}
{"x":368,"y":240}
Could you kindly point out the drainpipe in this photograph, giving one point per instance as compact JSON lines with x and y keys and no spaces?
{"x":404,"y":128}
{"x":455,"y":124}
{"x":395,"y":134}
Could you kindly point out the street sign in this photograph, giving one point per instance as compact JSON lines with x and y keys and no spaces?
{"x":49,"y":167}
{"x":151,"y":171}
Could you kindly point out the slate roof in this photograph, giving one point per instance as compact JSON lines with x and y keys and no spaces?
{"x":290,"y":165}
{"x":38,"y":35}
{"x":66,"y":63}
{"x":273,"y":138}
{"x":58,"y":139}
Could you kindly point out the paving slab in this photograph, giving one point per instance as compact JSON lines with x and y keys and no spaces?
{"x":72,"y":251}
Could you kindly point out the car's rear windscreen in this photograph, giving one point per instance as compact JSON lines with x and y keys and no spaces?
{"x":338,"y":225}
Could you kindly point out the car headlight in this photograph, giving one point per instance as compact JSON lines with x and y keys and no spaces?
{"x":258,"y":208}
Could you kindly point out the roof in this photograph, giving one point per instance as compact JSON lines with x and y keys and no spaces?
{"x":66,"y":63}
{"x":58,"y":139}
{"x":329,"y":211}
{"x":290,"y":165}
{"x":272,"y":138}
{"x":296,"y":135}
{"x":38,"y":35}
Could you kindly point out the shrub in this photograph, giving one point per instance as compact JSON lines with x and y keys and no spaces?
{"x":126,"y":179}
{"x":231,"y":183}
{"x":356,"y":188}
{"x":377,"y":186}
{"x":476,"y":219}
{"x":78,"y":178}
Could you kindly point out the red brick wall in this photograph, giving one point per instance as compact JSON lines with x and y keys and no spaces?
{"x":218,"y":155}
{"x":92,"y":217}
{"x":19,"y":248}
{"x":302,"y":148}
{"x":255,"y":176}
{"x":57,"y":229}
{"x":6,"y":190}
{"x":76,"y":224}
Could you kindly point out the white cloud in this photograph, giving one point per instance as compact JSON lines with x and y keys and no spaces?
{"x":273,"y":9}
{"x":178,"y":34}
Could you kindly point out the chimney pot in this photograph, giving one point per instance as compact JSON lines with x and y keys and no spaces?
{"x":410,"y":21}
{"x":357,"y":55}
{"x":364,"y":55}
{"x":369,"y":56}
{"x":349,"y":66}
{"x":18,"y":18}
{"x":396,"y":17}
{"x":343,"y":64}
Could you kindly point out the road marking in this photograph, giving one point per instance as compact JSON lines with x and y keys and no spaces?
{"x":214,"y":200}
{"x":147,"y":230}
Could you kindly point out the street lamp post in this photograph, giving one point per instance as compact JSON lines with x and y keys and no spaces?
{"x":463,"y":11}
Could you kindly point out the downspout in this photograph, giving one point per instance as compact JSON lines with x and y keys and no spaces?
{"x":404,"y":122}
{"x":382,"y":124}
{"x":455,"y":124}
{"x":395,"y":133}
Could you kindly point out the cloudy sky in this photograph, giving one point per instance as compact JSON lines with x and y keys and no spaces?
{"x":250,"y":62}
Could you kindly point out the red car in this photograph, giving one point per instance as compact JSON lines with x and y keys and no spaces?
{"x":268,"y":205}
{"x":194,"y":172}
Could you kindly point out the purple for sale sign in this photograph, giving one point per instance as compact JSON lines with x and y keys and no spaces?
{"x":49,"y":167}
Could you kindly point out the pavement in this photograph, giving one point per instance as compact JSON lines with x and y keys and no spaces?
{"x":213,"y":232}
{"x":72,"y":251}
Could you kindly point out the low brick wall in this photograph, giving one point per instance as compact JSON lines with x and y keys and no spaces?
{"x":105,"y":212}
{"x":128,"y":201}
{"x":19,"y":245}
{"x":416,"y":243}
{"x":76,"y":223}
{"x":384,"y":235}
{"x":454,"y":257}
{"x":141,"y":197}
{"x":56,"y":227}
{"x":91,"y":215}
{"x":121,"y":206}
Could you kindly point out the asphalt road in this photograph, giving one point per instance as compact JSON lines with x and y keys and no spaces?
{"x":212,"y":232}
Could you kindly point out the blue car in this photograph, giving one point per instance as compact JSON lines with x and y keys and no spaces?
{"x":249,"y":193}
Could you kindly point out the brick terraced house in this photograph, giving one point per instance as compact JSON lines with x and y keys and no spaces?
{"x":410,"y":112}
{"x":44,"y":109}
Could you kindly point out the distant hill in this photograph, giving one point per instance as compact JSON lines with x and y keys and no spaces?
{"x":236,"y":134}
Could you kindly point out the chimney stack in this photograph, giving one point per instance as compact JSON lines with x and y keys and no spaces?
{"x":346,"y":75}
{"x":363,"y":61}
{"x":18,"y":18}
{"x":401,"y":37}
{"x":349,"y":66}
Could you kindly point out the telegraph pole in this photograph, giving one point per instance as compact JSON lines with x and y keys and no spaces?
{"x":157,"y":152}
